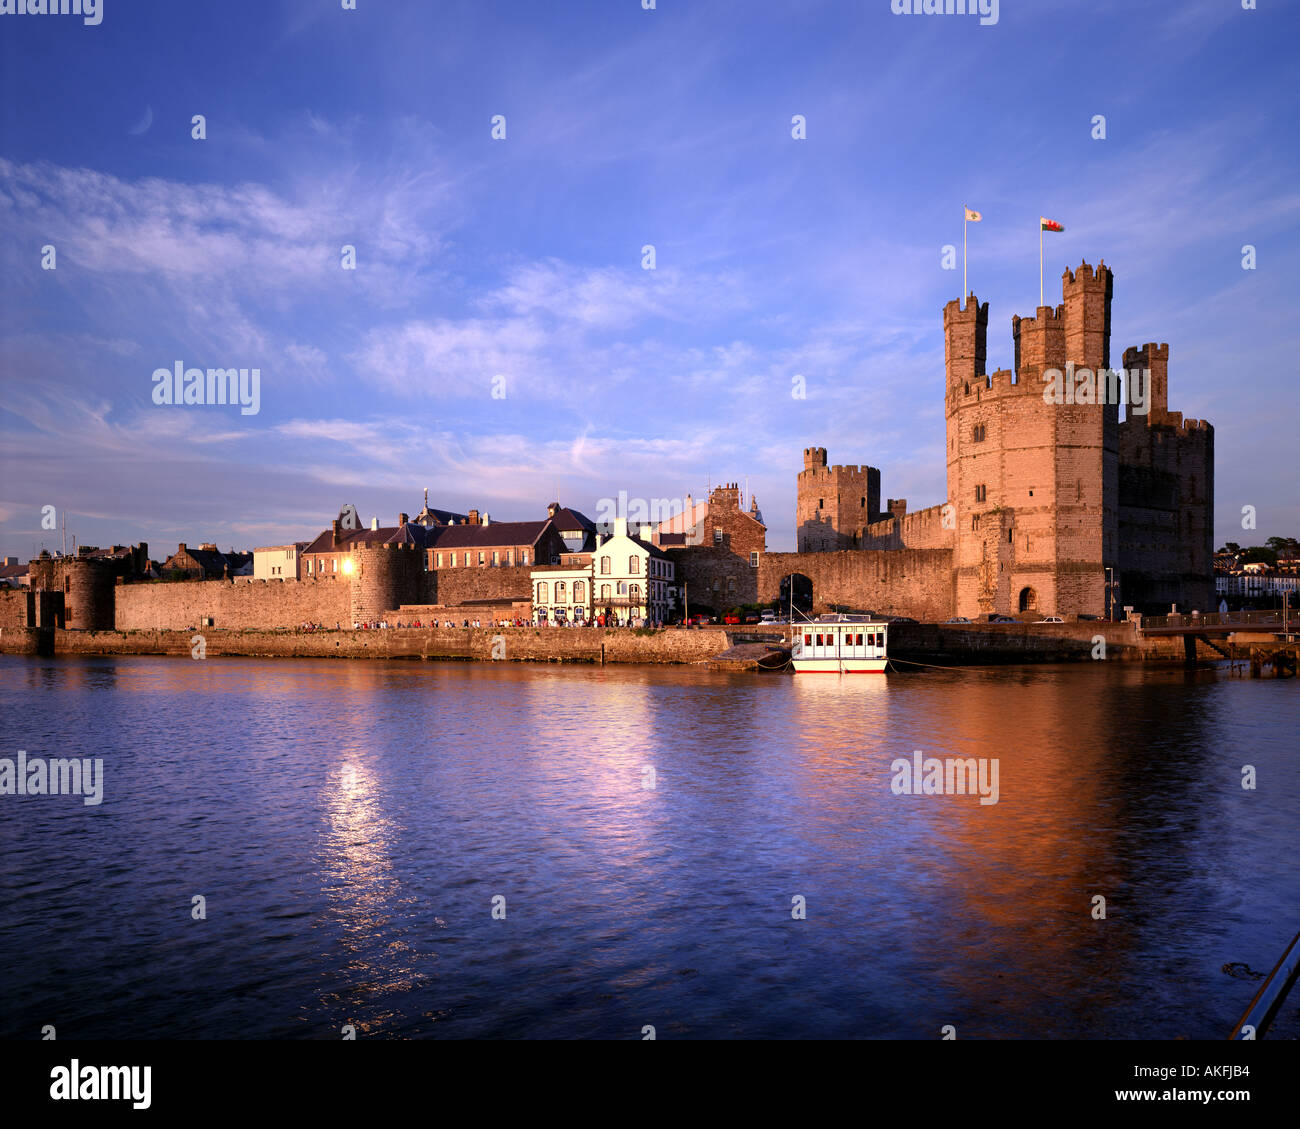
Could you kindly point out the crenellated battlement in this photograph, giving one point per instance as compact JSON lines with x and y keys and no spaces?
{"x":1085,"y":275}
{"x":1049,"y":317}
{"x":1001,"y":382}
{"x":1141,"y":357}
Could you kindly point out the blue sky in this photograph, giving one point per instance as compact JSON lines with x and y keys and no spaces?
{"x":521,"y":258}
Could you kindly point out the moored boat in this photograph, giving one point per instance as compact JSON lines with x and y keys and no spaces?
{"x":840,"y":644}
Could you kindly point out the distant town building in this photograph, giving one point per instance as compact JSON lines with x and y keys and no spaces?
{"x":13,"y":574}
{"x":483,"y":543}
{"x":279,"y":562}
{"x":623,"y":578}
{"x":207,"y":563}
{"x":332,"y":552}
{"x":715,"y":547}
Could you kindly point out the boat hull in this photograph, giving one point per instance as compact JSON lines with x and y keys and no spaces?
{"x":839,"y":666}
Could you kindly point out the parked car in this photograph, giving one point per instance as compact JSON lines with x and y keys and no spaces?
{"x":769,"y":617}
{"x":957,"y":619}
{"x":750,"y":617}
{"x":731,"y":619}
{"x":1001,"y":619}
{"x":1051,"y":619}
{"x":901,"y":619}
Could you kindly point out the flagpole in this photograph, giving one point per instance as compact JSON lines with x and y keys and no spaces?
{"x":964,"y":215}
{"x":1040,"y":262}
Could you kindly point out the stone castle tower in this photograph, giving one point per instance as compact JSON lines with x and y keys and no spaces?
{"x":1034,"y":485}
{"x":1054,"y":506}
{"x":835,"y":504}
{"x":384,"y":578}
{"x":72,"y":592}
{"x":1166,"y":491}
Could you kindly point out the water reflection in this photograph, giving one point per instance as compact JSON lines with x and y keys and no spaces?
{"x":354,"y":821}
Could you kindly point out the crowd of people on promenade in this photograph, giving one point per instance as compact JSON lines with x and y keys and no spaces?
{"x":518,"y":621}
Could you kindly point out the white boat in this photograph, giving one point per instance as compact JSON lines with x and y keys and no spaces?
{"x":840,"y":644}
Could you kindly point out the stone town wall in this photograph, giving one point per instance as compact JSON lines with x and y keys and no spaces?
{"x":234,"y":603}
{"x":909,"y":582}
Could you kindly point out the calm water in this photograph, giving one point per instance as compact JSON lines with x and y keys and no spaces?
{"x":350,"y":823}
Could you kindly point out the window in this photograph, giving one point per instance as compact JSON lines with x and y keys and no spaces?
{"x":717,"y":536}
{"x":510,"y":555}
{"x":604,"y":566}
{"x":561,"y":592}
{"x":336,"y":564}
{"x":633,"y":566}
{"x":807,"y":640}
{"x":541,"y":591}
{"x":819,"y":640}
{"x":979,"y":433}
{"x":480,"y":558}
{"x":309,"y":568}
{"x":981,"y":492}
{"x":622,"y":588}
{"x":821,"y":505}
{"x":635,"y":591}
{"x":496,"y":558}
{"x":859,"y":643}
{"x":523,"y":556}
{"x":1010,"y":537}
{"x":862,"y":505}
{"x":753,"y":559}
{"x":604,"y":591}
{"x":439,"y":564}
{"x":579,"y":592}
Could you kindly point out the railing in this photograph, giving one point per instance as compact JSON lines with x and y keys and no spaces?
{"x":1271,"y":995}
{"x":1216,"y":619}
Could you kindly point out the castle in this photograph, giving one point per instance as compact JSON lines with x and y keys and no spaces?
{"x":1054,"y":505}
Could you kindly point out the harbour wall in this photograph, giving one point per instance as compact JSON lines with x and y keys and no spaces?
{"x":920,"y":644}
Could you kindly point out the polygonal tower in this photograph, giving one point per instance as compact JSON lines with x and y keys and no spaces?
{"x":1033,"y":476}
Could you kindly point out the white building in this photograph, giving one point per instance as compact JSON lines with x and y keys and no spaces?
{"x":1256,"y":585}
{"x":278,"y":562}
{"x":563,"y":595}
{"x":624,"y":579}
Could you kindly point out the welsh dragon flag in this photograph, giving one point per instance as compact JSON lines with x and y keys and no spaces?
{"x":1049,"y":225}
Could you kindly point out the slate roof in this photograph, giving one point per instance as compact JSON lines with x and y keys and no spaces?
{"x":499,"y":533}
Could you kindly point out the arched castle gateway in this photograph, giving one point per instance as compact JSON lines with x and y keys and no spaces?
{"x":1054,"y":506}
